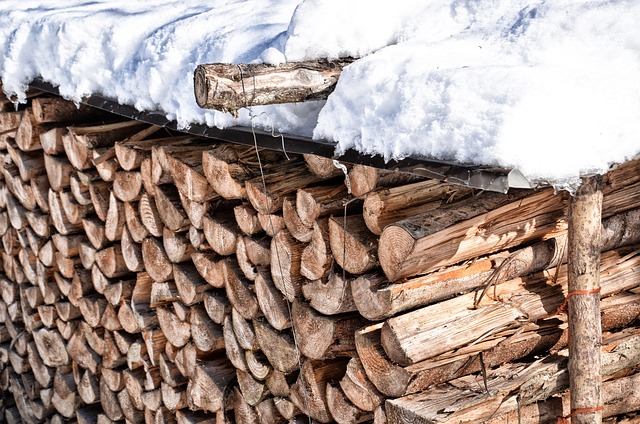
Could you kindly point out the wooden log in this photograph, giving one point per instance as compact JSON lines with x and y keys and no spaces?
{"x":354,"y":248}
{"x":188,"y":176}
{"x":79,"y":142}
{"x":376,"y":299}
{"x":51,"y":140}
{"x":386,"y":206}
{"x":131,"y":252}
{"x":51,"y":347}
{"x":229,"y":87}
{"x":111,"y":261}
{"x":221,"y":232}
{"x":233,"y":350}
{"x":316,"y":257}
{"x":227,"y":166}
{"x":65,"y":397}
{"x":286,"y":253}
{"x":316,"y":202}
{"x":268,"y":413}
{"x":331,"y":295}
{"x":246,"y":266}
{"x":169,"y":208}
{"x":207,"y":336}
{"x":156,"y":262}
{"x":323,"y":337}
{"x":23,"y":192}
{"x":109,"y":402}
{"x":278,"y":347}
{"x":177,"y":246}
{"x":189,"y":283}
{"x":127,"y":185}
{"x":341,"y":408}
{"x":243,"y":331}
{"x":297,"y":228}
{"x":585,"y":213}
{"x":309,"y":391}
{"x":239,"y":291}
{"x":364,"y":179}
{"x":57,"y":110}
{"x":132,"y":151}
{"x":359,"y":389}
{"x":247,"y":219}
{"x":403,"y":245}
{"x":323,"y":167}
{"x":272,"y":304}
{"x":210,"y":267}
{"x":148,"y":215}
{"x":205,"y":390}
{"x":100,"y":194}
{"x":258,"y":364}
{"x":280,"y":181}
{"x":30,"y":164}
{"x":177,"y":331}
{"x":271,"y":223}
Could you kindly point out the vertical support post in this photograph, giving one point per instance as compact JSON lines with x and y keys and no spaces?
{"x":585,"y":331}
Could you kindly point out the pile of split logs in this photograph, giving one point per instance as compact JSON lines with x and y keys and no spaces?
{"x":159,"y":277}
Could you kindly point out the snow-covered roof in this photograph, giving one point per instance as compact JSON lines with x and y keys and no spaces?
{"x":549,"y":88}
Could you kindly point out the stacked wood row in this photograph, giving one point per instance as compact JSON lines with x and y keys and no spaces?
{"x":150,"y":276}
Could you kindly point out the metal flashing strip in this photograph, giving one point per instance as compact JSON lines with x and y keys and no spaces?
{"x":484,"y":178}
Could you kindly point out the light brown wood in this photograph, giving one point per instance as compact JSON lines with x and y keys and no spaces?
{"x":341,"y":408}
{"x":272,"y":304}
{"x":206,"y":335}
{"x":226,"y":167}
{"x":280,"y":181}
{"x":221,"y":232}
{"x":286,"y":253}
{"x":229,"y":87}
{"x":323,"y":337}
{"x":449,"y":240}
{"x":585,"y":328}
{"x":189,"y":283}
{"x":315,"y":202}
{"x":323,"y":167}
{"x":309,"y":391}
{"x":205,"y":389}
{"x":298,"y":229}
{"x":247,"y":219}
{"x":155,"y":260}
{"x":364,"y":179}
{"x":353,"y":246}
{"x":316,"y":257}
{"x":386,"y":206}
{"x":169,"y":208}
{"x":331,"y":295}
{"x":279,"y":348}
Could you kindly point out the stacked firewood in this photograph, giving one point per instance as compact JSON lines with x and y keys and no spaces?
{"x":161,"y":277}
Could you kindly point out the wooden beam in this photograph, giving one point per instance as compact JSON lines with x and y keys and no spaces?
{"x":585,"y":333}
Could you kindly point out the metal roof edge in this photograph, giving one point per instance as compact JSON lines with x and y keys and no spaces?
{"x":480,"y":177}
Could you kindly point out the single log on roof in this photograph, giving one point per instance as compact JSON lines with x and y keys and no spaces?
{"x":229,"y":87}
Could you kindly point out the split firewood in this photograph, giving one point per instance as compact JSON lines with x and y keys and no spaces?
{"x":322,"y":337}
{"x":207,"y":336}
{"x":341,"y":408}
{"x":298,"y":229}
{"x":57,"y":110}
{"x":331,"y":295}
{"x":364,"y":179}
{"x":80,"y":141}
{"x":228,"y":87}
{"x":170,"y":209}
{"x":309,"y":391}
{"x":148,"y":216}
{"x":535,"y":302}
{"x":271,"y":302}
{"x":127,"y":185}
{"x":359,"y":389}
{"x":280,"y":181}
{"x":315,"y":202}
{"x":221,"y":232}
{"x":278,"y":347}
{"x":240,"y":293}
{"x":187,"y":174}
{"x":132,"y":151}
{"x":156,"y":262}
{"x":247,"y":219}
{"x":131,"y":252}
{"x":386,"y":206}
{"x":105,"y":163}
{"x":463,"y":231}
{"x":316,"y":257}
{"x":227,"y":167}
{"x":189,"y":283}
{"x":352,"y":244}
{"x":323,"y":167}
{"x":271,"y":223}
{"x":205,"y":390}
{"x":51,"y":140}
{"x":530,"y":382}
{"x":286,"y":253}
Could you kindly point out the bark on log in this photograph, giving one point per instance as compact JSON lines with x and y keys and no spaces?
{"x":228,"y":87}
{"x":450,"y":236}
{"x":584,"y":302}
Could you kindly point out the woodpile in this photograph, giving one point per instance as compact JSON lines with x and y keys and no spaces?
{"x":150,"y":276}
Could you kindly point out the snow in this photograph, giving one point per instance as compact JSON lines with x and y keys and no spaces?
{"x":550,"y":88}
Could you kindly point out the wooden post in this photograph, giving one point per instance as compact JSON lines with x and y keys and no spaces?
{"x":585,"y":334}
